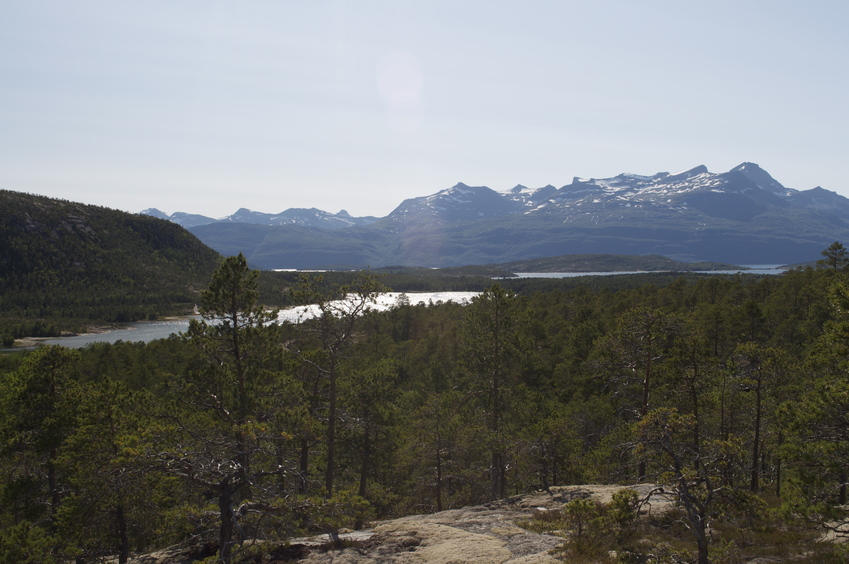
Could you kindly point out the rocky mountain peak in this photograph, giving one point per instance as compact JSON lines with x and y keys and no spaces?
{"x":686,"y":175}
{"x":740,"y":216}
{"x":760,"y":177}
{"x":153,"y":212}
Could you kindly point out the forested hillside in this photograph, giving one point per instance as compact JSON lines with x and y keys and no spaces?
{"x":67,"y":265}
{"x":728,"y":392}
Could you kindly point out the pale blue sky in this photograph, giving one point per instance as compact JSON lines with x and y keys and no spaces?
{"x":206,"y":106}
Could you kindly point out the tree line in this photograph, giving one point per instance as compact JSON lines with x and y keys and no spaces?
{"x":728,"y":391}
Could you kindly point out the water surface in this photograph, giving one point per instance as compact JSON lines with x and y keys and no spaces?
{"x":146,"y":331}
{"x":748,"y":269}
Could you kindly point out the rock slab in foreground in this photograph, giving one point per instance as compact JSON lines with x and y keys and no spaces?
{"x":484,"y":534}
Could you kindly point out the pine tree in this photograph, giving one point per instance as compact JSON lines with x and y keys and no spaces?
{"x":836,"y":257}
{"x":327,"y":336}
{"x":37,"y":414}
{"x":489,"y":336}
{"x":222,"y":429}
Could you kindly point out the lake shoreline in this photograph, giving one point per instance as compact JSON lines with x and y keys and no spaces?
{"x":29,"y":343}
{"x":178,"y":324}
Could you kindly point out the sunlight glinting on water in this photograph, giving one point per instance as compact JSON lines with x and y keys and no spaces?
{"x":146,"y":331}
{"x":383,"y":302}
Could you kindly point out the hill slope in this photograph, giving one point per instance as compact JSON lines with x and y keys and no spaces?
{"x":67,"y":263}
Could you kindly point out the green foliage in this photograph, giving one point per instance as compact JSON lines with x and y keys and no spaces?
{"x":623,"y":509}
{"x":836,"y":257}
{"x":222,"y":430}
{"x":330,"y":514}
{"x":591,"y":530}
{"x":322,"y":344}
{"x":114,"y":498}
{"x":490,"y":355}
{"x":37,"y":403}
{"x":713,"y":384}
{"x":66,"y":266}
{"x":24,"y":543}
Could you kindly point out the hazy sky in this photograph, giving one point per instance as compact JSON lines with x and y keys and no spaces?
{"x":206,"y":106}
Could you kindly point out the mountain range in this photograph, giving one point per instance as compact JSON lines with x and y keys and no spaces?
{"x":311,"y":217}
{"x":743,"y":216}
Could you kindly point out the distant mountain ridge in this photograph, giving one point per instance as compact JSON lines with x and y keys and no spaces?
{"x":311,"y":217}
{"x":742,"y":216}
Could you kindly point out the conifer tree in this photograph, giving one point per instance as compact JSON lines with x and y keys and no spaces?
{"x":692,"y":478}
{"x":36,"y":416}
{"x":108,"y":482}
{"x":338,"y":311}
{"x":222,"y":426}
{"x":836,"y":257}
{"x":489,"y":336}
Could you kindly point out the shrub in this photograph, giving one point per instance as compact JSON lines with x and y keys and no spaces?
{"x":26,"y":543}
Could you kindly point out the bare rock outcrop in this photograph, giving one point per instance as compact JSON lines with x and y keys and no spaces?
{"x":484,"y":534}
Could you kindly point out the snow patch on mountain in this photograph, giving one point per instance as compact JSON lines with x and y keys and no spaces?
{"x":695,"y":190}
{"x":311,"y":217}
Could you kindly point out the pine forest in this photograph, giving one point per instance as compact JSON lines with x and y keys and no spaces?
{"x":729,"y":392}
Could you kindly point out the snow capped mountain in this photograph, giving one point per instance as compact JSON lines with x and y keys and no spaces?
{"x":458,"y":203}
{"x":530,"y":196}
{"x":693,"y":189}
{"x":181,"y":218}
{"x":311,"y":217}
{"x":308,"y":217}
{"x":690,"y":189}
{"x":153,"y":212}
{"x":741,"y":216}
{"x":761,"y":178}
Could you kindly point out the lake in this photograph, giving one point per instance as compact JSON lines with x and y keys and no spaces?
{"x":749,"y":269}
{"x":146,"y":331}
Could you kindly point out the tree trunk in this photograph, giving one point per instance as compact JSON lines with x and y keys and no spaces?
{"x":545,"y":485}
{"x":52,"y":485}
{"x":778,"y":464}
{"x":503,"y":473}
{"x":497,"y":471}
{"x":123,"y":539}
{"x":281,"y":460}
{"x":304,"y":466}
{"x":694,"y":397}
{"x":331,"y":436}
{"x":554,"y":479}
{"x":228,"y":518}
{"x":498,"y":477}
{"x":755,"y":448}
{"x":644,"y":408}
{"x":364,"y":468}
{"x":438,"y":473}
{"x":243,"y":458}
{"x":702,"y":546}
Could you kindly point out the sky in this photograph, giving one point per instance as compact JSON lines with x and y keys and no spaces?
{"x":208,"y":106}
